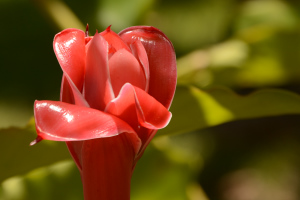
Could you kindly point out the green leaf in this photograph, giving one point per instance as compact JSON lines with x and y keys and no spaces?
{"x":17,"y":157}
{"x":260,"y":19}
{"x":193,"y":108}
{"x":57,"y":181}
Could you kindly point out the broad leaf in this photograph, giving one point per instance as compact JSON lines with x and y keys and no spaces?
{"x":193,"y":108}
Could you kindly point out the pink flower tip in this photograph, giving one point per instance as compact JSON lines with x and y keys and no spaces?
{"x":108,"y":28}
{"x":37,"y":139}
{"x":87,"y":30}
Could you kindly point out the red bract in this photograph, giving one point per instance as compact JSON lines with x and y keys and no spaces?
{"x":115,"y":94}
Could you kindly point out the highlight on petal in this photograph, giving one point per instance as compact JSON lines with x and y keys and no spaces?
{"x":97,"y":86}
{"x":61,"y":121}
{"x":69,"y":47}
{"x":124,"y":68}
{"x":162,"y":60}
{"x":135,"y":105}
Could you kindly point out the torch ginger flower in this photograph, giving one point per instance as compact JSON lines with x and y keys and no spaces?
{"x":115,"y":94}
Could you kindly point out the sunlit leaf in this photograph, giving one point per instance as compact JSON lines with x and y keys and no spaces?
{"x":201,"y":67}
{"x":195,"y":109}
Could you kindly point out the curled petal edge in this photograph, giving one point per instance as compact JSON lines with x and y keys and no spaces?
{"x":61,"y":121}
{"x":140,"y":53}
{"x":150,"y":113}
{"x":69,"y":48}
{"x":77,"y":96}
{"x":97,"y":84}
{"x":162,"y":60}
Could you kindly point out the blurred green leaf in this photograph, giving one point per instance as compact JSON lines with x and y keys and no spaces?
{"x":14,"y":113}
{"x":190,"y":24}
{"x":59,"y":13}
{"x":193,"y":108}
{"x":57,"y":181}
{"x":17,"y":157}
{"x":164,"y":179}
{"x":201,"y":67}
{"x":122,"y":14}
{"x":261,"y":19}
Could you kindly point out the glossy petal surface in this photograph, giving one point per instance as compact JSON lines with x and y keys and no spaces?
{"x":66,"y":94}
{"x":77,"y":96}
{"x":75,"y":149}
{"x":107,"y":163}
{"x":69,"y":47}
{"x":114,"y":41}
{"x":60,"y":121}
{"x":97,"y":87}
{"x":162,"y":61}
{"x":138,"y":108}
{"x":124,"y":68}
{"x":106,"y":135}
{"x":151,"y":113}
{"x":140,"y":53}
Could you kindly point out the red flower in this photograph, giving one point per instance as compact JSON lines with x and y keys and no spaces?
{"x":116,"y":91}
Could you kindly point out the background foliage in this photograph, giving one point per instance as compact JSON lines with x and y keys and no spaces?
{"x":235,"y":128}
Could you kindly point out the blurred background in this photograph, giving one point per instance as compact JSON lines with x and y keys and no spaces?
{"x":235,"y":131}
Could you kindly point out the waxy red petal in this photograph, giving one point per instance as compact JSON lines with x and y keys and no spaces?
{"x":151,"y":113}
{"x":140,"y":53}
{"x":129,"y":142}
{"x":75,"y":149}
{"x":77,"y":96}
{"x":114,"y":41}
{"x":69,"y":47}
{"x":97,"y":86}
{"x":124,"y":68}
{"x":72,"y":95}
{"x":107,"y":166}
{"x":162,"y":61}
{"x":61,"y":121}
{"x":138,"y":108}
{"x":66,"y":94}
